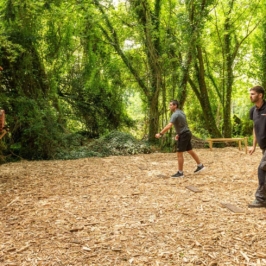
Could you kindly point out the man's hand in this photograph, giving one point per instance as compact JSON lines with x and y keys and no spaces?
{"x":251,"y":150}
{"x":157,"y":136}
{"x":176,"y":137}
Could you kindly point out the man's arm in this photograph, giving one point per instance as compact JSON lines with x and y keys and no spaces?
{"x":165,"y":129}
{"x":251,"y":151}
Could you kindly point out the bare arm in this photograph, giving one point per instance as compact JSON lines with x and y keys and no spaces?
{"x":251,"y":151}
{"x":164,"y":130}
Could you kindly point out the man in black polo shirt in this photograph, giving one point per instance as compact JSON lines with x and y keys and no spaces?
{"x":258,"y":115}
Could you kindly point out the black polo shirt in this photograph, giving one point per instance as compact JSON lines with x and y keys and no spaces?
{"x":259,"y":120}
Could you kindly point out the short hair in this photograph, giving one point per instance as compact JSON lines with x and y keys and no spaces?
{"x":258,"y":89}
{"x":175,"y":102}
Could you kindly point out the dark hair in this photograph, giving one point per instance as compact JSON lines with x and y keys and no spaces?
{"x":258,"y":89}
{"x":175,"y":102}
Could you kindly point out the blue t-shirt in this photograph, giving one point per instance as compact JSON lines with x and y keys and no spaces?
{"x":178,"y":119}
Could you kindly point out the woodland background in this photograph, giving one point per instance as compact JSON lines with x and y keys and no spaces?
{"x":76,"y":70}
{"x":89,"y":78}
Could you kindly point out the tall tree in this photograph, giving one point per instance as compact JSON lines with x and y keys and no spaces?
{"x":263,"y":58}
{"x":198,"y":13}
{"x":150,"y":82}
{"x":213,"y":77}
{"x":231,"y":37}
{"x":25,"y":76}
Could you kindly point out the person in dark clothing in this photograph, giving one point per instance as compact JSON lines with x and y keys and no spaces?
{"x":258,"y":114}
{"x":183,"y":137}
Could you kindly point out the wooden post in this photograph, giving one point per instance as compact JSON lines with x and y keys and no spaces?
{"x":210,"y":144}
{"x":2,"y":133}
{"x":2,"y":124}
{"x":246,"y":144}
{"x":2,"y":120}
{"x":239,"y":145}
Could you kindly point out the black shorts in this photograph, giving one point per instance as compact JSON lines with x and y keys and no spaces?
{"x":184,"y":142}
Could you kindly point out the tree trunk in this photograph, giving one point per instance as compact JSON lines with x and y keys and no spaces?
{"x":150,"y":24}
{"x":263,"y":82}
{"x":227,"y":127}
{"x":203,"y":97}
{"x":152,"y":86}
{"x":153,"y":118}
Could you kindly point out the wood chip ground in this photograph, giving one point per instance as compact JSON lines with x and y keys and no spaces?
{"x":126,"y":210}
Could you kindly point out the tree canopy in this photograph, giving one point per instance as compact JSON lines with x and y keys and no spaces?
{"x":73,"y":66}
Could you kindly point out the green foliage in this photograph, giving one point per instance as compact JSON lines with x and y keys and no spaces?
{"x":246,"y":127}
{"x":119,"y":143}
{"x":56,"y":74}
{"x":34,"y":127}
{"x":113,"y":144}
{"x":73,"y":65}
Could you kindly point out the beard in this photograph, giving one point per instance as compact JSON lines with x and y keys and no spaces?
{"x":254,"y":100}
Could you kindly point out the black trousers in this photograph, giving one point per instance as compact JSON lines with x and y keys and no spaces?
{"x":261,"y":190}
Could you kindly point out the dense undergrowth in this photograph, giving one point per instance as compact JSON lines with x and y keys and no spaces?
{"x":78,"y":146}
{"x":115,"y":143}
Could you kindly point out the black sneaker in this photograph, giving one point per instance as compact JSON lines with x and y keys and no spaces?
{"x":178,"y":174}
{"x":257,"y":204}
{"x":199,"y":169}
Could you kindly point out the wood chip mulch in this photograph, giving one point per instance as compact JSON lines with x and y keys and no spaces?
{"x":126,"y":210}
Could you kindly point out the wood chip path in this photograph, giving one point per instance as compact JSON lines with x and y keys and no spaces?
{"x":126,"y":210}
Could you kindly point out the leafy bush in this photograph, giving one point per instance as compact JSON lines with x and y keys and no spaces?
{"x":35,"y":131}
{"x":114,"y":143}
{"x":119,"y":143}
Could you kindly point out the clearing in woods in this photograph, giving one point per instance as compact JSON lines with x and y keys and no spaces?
{"x":125,"y":210}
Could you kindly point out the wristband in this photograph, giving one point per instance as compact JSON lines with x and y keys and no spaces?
{"x":161,"y":134}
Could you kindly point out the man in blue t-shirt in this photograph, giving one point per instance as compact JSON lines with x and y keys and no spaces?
{"x":183,"y":137}
{"x":258,"y":114}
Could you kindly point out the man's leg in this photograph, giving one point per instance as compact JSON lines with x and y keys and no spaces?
{"x":180,"y":147}
{"x":180,"y":160}
{"x":261,"y":191}
{"x":194,"y":156}
{"x":200,"y":166}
